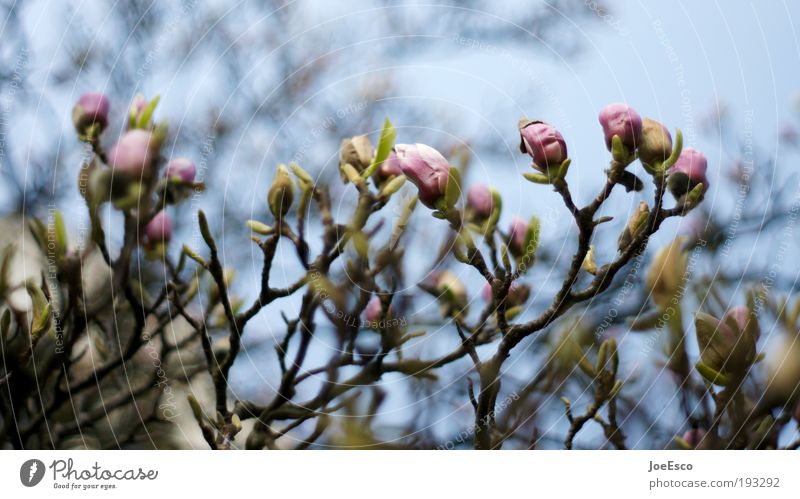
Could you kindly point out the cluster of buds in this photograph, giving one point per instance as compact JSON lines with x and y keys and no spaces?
{"x":727,"y":345}
{"x":133,"y":164}
{"x":627,"y":137}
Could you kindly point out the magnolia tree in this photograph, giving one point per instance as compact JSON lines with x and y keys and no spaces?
{"x":86,"y":359}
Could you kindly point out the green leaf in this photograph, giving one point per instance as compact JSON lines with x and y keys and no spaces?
{"x":385,"y":144}
{"x":147,"y":113}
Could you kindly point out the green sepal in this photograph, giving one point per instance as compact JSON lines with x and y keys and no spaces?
{"x":537,"y":178}
{"x":711,"y":375}
{"x":453,"y":191}
{"x":677,"y":147}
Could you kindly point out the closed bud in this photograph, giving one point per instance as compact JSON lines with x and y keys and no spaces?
{"x":91,"y":109}
{"x":656,"y":143}
{"x":132,"y":156}
{"x":281,"y":193}
{"x":636,"y":223}
{"x":374,"y":310}
{"x":182,"y":169}
{"x":389,"y":168}
{"x":518,"y":294}
{"x":159,"y":229}
{"x":666,"y":272}
{"x":623,"y":121}
{"x":693,"y":437}
{"x":426,"y":168}
{"x":452,"y":290}
{"x":480,"y":201}
{"x":783,"y":373}
{"x":137,"y":106}
{"x":356,"y":151}
{"x":727,"y":346}
{"x":688,"y":172}
{"x":516,"y":236}
{"x":543,"y":143}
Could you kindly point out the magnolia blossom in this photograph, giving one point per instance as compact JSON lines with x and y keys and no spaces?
{"x":426,"y":168}
{"x":182,"y":168}
{"x":480,"y":200}
{"x":159,"y":229}
{"x":544,"y":144}
{"x":622,"y":120}
{"x":91,"y":108}
{"x":517,"y":234}
{"x":727,"y":345}
{"x":390,"y":167}
{"x":693,"y":164}
{"x":374,"y":310}
{"x":133,"y":153}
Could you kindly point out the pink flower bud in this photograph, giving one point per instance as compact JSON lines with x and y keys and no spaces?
{"x":688,"y":172}
{"x":544,"y":144}
{"x":741,"y":315}
{"x":486,"y":292}
{"x":622,"y":120}
{"x":159,"y":229}
{"x":182,"y":168}
{"x":517,"y":293}
{"x":480,"y":201}
{"x":426,"y":168}
{"x":694,"y":437}
{"x":390,"y":167}
{"x":517,"y":234}
{"x":137,"y":105}
{"x":132,"y":154}
{"x":374,"y":310}
{"x":91,"y":108}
